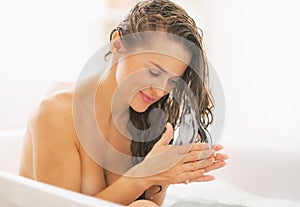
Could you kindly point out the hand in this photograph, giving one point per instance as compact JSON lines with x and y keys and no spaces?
{"x":219,"y":159}
{"x":166,"y":164}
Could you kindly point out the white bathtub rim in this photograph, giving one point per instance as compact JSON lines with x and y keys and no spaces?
{"x":17,"y":185}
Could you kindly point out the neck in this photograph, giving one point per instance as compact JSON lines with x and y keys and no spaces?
{"x":111,"y":106}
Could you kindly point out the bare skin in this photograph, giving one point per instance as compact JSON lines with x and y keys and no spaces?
{"x":52,"y":152}
{"x":58,"y":158}
{"x":54,"y":155}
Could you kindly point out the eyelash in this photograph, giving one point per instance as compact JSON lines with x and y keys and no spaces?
{"x":154,"y":74}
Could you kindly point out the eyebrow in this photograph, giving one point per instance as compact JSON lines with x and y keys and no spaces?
{"x":158,"y":66}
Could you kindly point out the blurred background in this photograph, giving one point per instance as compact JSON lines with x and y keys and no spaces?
{"x":252,"y":44}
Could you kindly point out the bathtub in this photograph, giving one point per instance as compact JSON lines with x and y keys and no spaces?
{"x":260,"y":172}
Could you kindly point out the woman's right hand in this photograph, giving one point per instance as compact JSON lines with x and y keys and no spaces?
{"x":166,"y":164}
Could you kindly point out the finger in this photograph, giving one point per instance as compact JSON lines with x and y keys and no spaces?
{"x":203,"y":178}
{"x":221,"y":156}
{"x":215,"y":166}
{"x":191,"y":175}
{"x":167,"y":136}
{"x":200,"y":146}
{"x":192,"y":166}
{"x":183,"y":149}
{"x":198,"y":155}
{"x":217,"y":147}
{"x":198,"y":138}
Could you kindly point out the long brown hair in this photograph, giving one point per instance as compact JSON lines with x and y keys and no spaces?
{"x":153,"y":15}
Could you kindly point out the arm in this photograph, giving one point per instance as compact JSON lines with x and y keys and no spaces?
{"x":157,"y":193}
{"x":55,"y":151}
{"x":56,"y":157}
{"x":57,"y":161}
{"x":165,"y":165}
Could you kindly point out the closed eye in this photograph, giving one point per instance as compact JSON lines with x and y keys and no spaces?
{"x":154,"y":72}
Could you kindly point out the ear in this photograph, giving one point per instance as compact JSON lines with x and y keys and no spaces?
{"x":116,"y":45}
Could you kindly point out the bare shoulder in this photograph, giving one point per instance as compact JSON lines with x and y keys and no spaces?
{"x":53,"y":113}
{"x":54,"y":149}
{"x":56,"y":104}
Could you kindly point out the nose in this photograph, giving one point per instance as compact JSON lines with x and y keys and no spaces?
{"x":161,"y":86}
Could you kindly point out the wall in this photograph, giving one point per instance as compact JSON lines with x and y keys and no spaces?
{"x":252,"y":44}
{"x":42,"y":42}
{"x":256,"y":56}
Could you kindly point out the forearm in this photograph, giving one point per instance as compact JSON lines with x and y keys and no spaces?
{"x":125,"y":190}
{"x":156,"y":193}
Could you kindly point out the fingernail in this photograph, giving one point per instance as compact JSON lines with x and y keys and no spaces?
{"x":201,"y":161}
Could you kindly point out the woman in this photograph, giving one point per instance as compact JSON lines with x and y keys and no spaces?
{"x":158,"y":64}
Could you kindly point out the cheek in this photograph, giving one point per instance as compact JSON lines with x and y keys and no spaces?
{"x":128,"y":70}
{"x":121,"y":72}
{"x":130,"y":82}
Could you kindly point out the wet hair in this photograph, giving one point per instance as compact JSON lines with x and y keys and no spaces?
{"x":166,"y":16}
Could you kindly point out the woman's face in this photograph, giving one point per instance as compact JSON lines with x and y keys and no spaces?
{"x":144,"y":77}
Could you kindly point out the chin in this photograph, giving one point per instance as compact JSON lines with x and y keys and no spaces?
{"x":138,"y":109}
{"x":138,"y":105}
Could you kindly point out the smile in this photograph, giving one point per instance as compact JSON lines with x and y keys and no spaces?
{"x":147,"y":98}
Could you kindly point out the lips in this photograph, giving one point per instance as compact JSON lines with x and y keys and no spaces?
{"x":146,"y":98}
